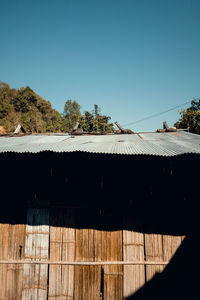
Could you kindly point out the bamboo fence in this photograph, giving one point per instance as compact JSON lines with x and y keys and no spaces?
{"x":48,"y":259}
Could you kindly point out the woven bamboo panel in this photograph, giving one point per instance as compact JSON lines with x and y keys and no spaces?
{"x":36,"y":248}
{"x":15,"y":271}
{"x":154,"y":252}
{"x":69,"y":242}
{"x":87,"y":278}
{"x":183,"y":237}
{"x":62,"y":248}
{"x":4,"y":246}
{"x":113,"y":274}
{"x":170,"y":245}
{"x":55,"y":254}
{"x":133,"y":250}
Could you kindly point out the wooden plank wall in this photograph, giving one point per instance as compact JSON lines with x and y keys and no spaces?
{"x":55,"y":236}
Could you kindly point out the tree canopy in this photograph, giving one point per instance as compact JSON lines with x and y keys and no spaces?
{"x":23,"y":106}
{"x":71,"y":115}
{"x":96,"y":123}
{"x":190,"y":117}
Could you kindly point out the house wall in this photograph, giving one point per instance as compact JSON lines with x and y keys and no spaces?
{"x":68,"y":234}
{"x":127,"y":209}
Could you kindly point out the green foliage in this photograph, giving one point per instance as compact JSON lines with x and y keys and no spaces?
{"x":71,"y":114}
{"x":190,"y":117}
{"x":24,"y":106}
{"x":95,"y":122}
{"x":36,"y":114}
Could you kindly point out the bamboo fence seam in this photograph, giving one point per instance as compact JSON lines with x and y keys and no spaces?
{"x":85,"y":262}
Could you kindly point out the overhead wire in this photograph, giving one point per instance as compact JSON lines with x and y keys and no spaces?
{"x":156,"y":114}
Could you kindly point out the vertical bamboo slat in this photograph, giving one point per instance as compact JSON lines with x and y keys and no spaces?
{"x":55,"y":255}
{"x":68,"y":254}
{"x":36,"y":248}
{"x":170,"y":245}
{"x":154,"y":252}
{"x":183,"y":237}
{"x":87,"y":278}
{"x":15,"y":252}
{"x":62,"y":248}
{"x":113,"y":282}
{"x":133,"y":250}
{"x":4,"y":246}
{"x":113,"y":274}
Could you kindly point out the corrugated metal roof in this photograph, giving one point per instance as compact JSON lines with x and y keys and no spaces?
{"x":160,"y":144}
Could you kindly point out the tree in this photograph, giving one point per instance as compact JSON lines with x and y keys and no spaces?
{"x":88,"y":122}
{"x":8,"y":116}
{"x":102,"y":124}
{"x":95,"y":122}
{"x":190,"y":117}
{"x":36,"y":114}
{"x":24,"y":106}
{"x":71,"y":114}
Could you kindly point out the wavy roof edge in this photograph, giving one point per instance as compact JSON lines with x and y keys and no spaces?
{"x":143,"y":143}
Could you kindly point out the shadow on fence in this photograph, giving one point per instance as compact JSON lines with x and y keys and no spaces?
{"x":179,"y":280}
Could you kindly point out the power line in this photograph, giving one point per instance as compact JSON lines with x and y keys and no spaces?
{"x":155,"y":115}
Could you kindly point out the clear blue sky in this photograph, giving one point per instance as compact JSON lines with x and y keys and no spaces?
{"x":133,"y":58}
